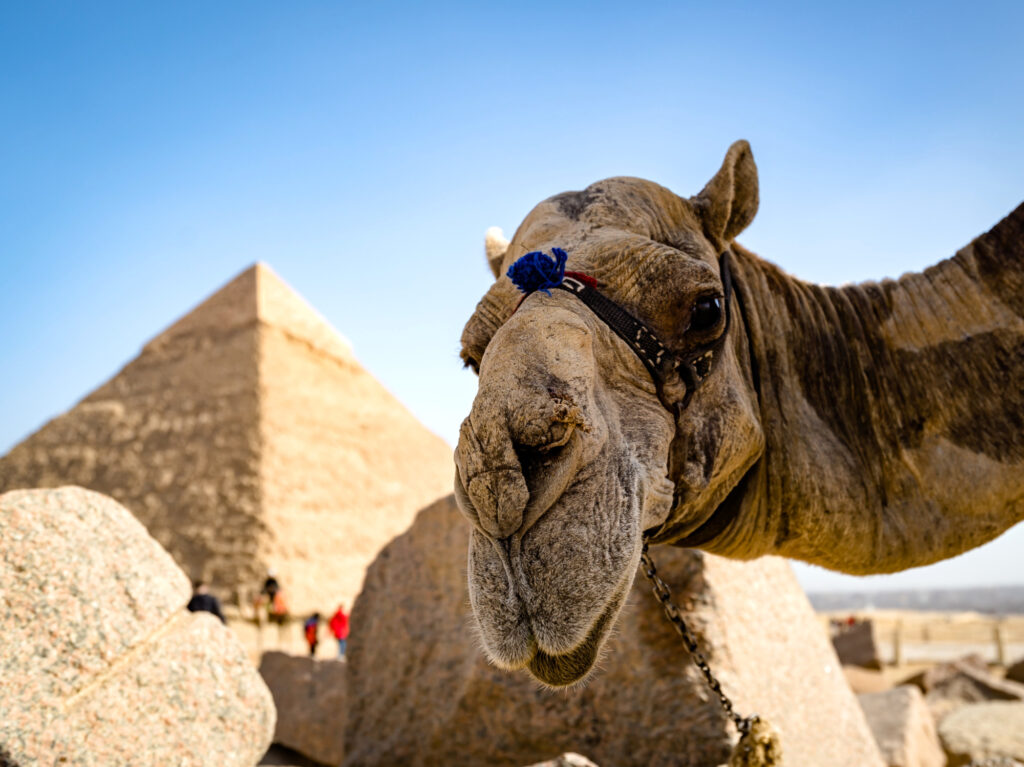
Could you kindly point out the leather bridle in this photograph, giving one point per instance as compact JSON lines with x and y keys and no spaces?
{"x":675,"y":377}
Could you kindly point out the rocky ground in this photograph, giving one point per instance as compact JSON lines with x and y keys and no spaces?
{"x":101,"y":665}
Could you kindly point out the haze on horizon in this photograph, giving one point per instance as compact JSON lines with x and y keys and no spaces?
{"x":151,"y":153}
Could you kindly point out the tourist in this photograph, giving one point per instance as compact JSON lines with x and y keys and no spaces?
{"x":203,"y":601}
{"x":312,"y":627}
{"x":273,"y":596}
{"x":339,"y":627}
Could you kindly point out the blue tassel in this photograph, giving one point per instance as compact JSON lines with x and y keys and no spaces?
{"x":538,"y":271}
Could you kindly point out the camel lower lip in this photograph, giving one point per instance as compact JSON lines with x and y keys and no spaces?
{"x":568,"y":668}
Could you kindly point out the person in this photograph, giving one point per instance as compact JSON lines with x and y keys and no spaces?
{"x":339,"y":627}
{"x":312,"y":627}
{"x":203,"y":601}
{"x":273,"y":596}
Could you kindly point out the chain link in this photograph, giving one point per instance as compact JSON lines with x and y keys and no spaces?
{"x":664,"y":595}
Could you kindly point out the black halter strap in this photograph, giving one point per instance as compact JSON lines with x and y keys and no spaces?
{"x":676,"y":377}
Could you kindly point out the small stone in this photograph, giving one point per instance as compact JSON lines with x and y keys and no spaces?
{"x":903,"y":727}
{"x":983,"y":731}
{"x":311,"y":700}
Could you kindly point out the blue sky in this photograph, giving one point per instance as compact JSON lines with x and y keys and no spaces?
{"x":151,"y":151}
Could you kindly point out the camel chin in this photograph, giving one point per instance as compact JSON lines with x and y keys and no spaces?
{"x":514,"y":640}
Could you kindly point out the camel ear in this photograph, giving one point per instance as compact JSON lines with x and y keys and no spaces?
{"x":495,"y":246}
{"x":729,"y":201}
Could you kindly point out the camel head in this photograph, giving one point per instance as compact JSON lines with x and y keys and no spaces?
{"x":571,"y":454}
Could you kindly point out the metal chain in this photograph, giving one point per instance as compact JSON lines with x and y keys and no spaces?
{"x":675,"y":617}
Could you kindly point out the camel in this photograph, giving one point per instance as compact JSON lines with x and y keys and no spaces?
{"x":867,"y":428}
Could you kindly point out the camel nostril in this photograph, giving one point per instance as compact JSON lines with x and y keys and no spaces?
{"x":500,"y":497}
{"x":537,"y":459}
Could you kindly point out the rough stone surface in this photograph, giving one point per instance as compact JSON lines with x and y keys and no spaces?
{"x":939,"y":673}
{"x":101,"y":664}
{"x":903,"y":727}
{"x":422,"y":694}
{"x":858,"y":646}
{"x":247,"y":436}
{"x":862,"y":680}
{"x":1015,"y":673}
{"x":980,"y":731}
{"x":969,"y":684}
{"x":310,"y":697}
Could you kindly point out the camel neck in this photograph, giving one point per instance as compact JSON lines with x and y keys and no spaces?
{"x":893,"y":411}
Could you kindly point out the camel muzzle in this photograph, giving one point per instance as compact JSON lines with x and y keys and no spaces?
{"x":522,"y":444}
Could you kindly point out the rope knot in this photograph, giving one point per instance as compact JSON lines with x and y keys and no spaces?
{"x":538,"y":271}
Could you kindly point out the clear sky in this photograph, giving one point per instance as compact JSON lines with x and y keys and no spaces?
{"x":151,"y":151}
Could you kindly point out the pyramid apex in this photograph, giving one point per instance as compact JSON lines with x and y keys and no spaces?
{"x":257,"y":295}
{"x":279,"y":306}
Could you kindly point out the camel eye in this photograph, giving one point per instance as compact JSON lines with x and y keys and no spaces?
{"x":706,"y":314}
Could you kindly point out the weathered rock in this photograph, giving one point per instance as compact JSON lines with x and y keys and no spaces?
{"x":969,"y":685}
{"x":980,"y":731}
{"x":247,"y":436}
{"x":100,"y":662}
{"x":310,"y":696}
{"x":421,"y":693}
{"x":862,"y":680}
{"x":857,"y":645}
{"x":1015,"y":673}
{"x":940,"y":672}
{"x":903,"y":727}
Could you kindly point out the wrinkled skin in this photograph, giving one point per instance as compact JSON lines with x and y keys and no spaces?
{"x":826,"y":431}
{"x":563,"y":462}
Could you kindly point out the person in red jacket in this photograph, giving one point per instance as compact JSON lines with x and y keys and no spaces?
{"x":339,"y":627}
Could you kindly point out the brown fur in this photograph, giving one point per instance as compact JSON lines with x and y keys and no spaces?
{"x":868,"y":428}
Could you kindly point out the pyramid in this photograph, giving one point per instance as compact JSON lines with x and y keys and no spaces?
{"x":247,"y":437}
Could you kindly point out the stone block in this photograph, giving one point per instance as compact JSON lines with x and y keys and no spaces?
{"x":101,"y":664}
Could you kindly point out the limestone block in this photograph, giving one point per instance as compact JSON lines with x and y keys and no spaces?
{"x":858,"y":646}
{"x":100,"y":662}
{"x":421,"y":693}
{"x":983,"y":731}
{"x":310,"y":696}
{"x":903,"y":727}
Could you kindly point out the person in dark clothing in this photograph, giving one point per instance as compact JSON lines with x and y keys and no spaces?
{"x":270,"y":586}
{"x":203,"y":601}
{"x":272,"y":595}
{"x":312,"y":629}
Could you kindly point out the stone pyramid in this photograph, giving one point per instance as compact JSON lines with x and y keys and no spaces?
{"x":247,"y":437}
